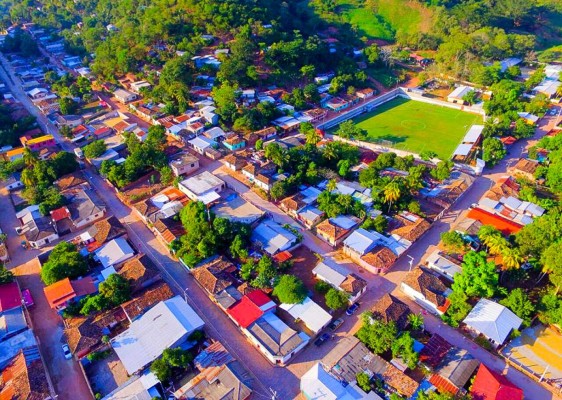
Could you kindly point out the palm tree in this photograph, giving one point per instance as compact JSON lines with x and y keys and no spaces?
{"x":416,"y":321}
{"x":392,"y":193}
{"x":486,"y":231}
{"x":28,"y":178}
{"x":30,"y":158}
{"x":332,"y":185}
{"x":496,"y":245}
{"x":312,"y":137}
{"x":511,"y":258}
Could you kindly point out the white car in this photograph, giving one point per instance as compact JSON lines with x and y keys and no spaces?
{"x":66,"y":351}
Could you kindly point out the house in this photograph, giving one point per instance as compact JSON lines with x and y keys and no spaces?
{"x":215,"y":134}
{"x":549,"y":86}
{"x":444,"y":266}
{"x":200,"y":144}
{"x":114,"y":252}
{"x":335,"y":230}
{"x":315,"y":114}
{"x":124,"y":96}
{"x":220,"y":376}
{"x":273,"y":238}
{"x":506,"y":226}
{"x":38,"y":143}
{"x":378,"y":261}
{"x":337,"y":104}
{"x":434,"y":351}
{"x":14,"y":154}
{"x":85,"y":207}
{"x":38,"y":230}
{"x":467,"y":150}
{"x":524,"y":168}
{"x":38,"y":93}
{"x":529,"y":118}
{"x":137,"y":86}
{"x":389,"y":309}
{"x":140,"y":272}
{"x":70,"y":181}
{"x":166,"y":325}
{"x":137,"y":387}
{"x":204,"y":187}
{"x":184,"y":165}
{"x":23,"y":377}
{"x":264,"y":134}
{"x":217,"y":276}
{"x":60,"y":293}
{"x":250,"y":308}
{"x":264,"y":182}
{"x":309,"y":313}
{"x":365,"y":93}
{"x":454,"y":371}
{"x":457,"y":95}
{"x":341,"y":279}
{"x":103,"y":231}
{"x":427,"y":290}
{"x":146,"y":299}
{"x":12,"y":317}
{"x":72,"y":121}
{"x":412,"y":227}
{"x":287,"y":123}
{"x":276,"y":341}
{"x":234,"y":143}
{"x":350,"y":357}
{"x":310,"y":216}
{"x":235,"y":208}
{"x":318,"y":383}
{"x":490,"y":385}
{"x":493,"y":321}
{"x":235,"y":162}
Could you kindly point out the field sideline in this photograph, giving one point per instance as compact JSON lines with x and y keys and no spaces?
{"x":415,"y":126}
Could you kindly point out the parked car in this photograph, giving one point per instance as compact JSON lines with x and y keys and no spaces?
{"x":66,"y":351}
{"x":336,"y":324}
{"x":27,"y":298}
{"x":320,"y":341}
{"x":351,"y":310}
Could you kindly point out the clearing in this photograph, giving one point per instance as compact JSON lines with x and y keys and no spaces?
{"x":415,"y":126}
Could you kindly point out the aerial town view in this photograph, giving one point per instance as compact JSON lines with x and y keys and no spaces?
{"x":298,"y":199}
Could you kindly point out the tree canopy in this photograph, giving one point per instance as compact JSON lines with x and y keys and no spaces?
{"x":290,"y":290}
{"x":63,"y":262}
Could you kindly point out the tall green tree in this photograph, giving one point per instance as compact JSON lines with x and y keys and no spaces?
{"x":479,"y":277}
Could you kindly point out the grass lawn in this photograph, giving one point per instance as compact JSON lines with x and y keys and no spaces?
{"x":415,"y":126}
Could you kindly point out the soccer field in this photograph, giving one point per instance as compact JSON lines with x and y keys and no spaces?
{"x":415,"y":126}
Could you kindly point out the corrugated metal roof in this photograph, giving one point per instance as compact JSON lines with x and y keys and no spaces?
{"x":492,"y":320}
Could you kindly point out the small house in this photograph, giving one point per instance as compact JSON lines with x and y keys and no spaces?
{"x":124,"y":96}
{"x":493,"y":321}
{"x":184,"y":165}
{"x":204,"y":187}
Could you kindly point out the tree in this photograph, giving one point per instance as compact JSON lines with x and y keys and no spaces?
{"x":392,"y":192}
{"x":442,"y":171}
{"x":458,"y":309}
{"x":478,"y":277}
{"x":523,"y":130}
{"x":67,"y":106}
{"x":336,"y":299}
{"x":95,"y":149}
{"x":290,"y":290}
{"x":266,"y":273}
{"x":372,"y":53}
{"x":376,"y":335}
{"x":63,"y":262}
{"x":115,"y":289}
{"x":511,"y":258}
{"x":493,"y":151}
{"x":363,"y":381}
{"x":518,"y":302}
{"x":275,"y":153}
{"x":161,"y":369}
{"x":171,"y":360}
{"x":379,"y":224}
{"x":259,"y":144}
{"x":166,"y":175}
{"x":416,"y":321}
{"x":238,"y":248}
{"x":403,"y":347}
{"x":349,"y":130}
{"x":30,"y":157}
{"x":225,"y":97}
{"x":6,"y":276}
{"x":156,"y":137}
{"x":247,"y":269}
{"x":308,"y":130}
{"x":453,"y":241}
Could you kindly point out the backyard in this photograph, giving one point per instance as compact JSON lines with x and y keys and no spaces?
{"x":415,"y":126}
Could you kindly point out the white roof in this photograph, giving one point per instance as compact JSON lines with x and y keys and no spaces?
{"x":286,"y":121}
{"x":528,"y":116}
{"x":166,"y":325}
{"x":509,"y":62}
{"x":463,"y":149}
{"x":135,"y":388}
{"x":548,"y":86}
{"x":553,"y":71}
{"x":214,"y":133}
{"x":492,"y":320}
{"x":331,"y":274}
{"x":122,"y":93}
{"x":437,"y":262}
{"x":310,"y":213}
{"x":473,"y":134}
{"x":273,"y":237}
{"x":311,"y":314}
{"x":343,"y":188}
{"x":202,"y":183}
{"x":114,"y":252}
{"x":35,"y":91}
{"x":108,"y":271}
{"x":362,"y":241}
{"x":317,"y":383}
{"x":343,"y":222}
{"x":310,"y":194}
{"x":460,"y":92}
{"x":201,"y":142}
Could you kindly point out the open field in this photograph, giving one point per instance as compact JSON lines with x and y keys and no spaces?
{"x":392,"y":16}
{"x":415,"y":126}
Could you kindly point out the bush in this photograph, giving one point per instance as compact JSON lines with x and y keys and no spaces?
{"x":336,"y":299}
{"x":290,"y":290}
{"x":322,"y":287}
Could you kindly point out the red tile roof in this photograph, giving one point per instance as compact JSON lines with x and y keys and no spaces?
{"x":245,"y":312}
{"x":283,"y":256}
{"x":60,"y":214}
{"x":506,"y":226}
{"x":489,"y":385}
{"x":258,"y":297}
{"x":443,"y":385}
{"x":9,"y":296}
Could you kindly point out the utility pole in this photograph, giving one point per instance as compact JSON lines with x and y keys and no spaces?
{"x":411,"y":262}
